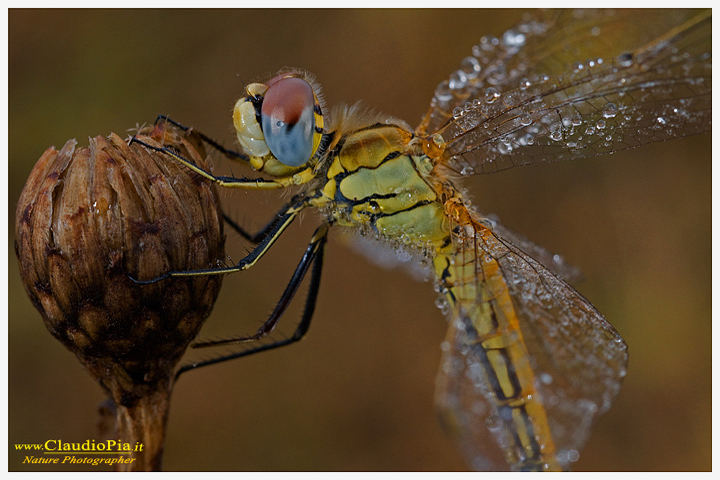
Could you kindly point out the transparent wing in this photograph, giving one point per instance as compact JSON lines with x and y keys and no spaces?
{"x":386,"y":255}
{"x":567,"y":84}
{"x":553,"y":262}
{"x":577,"y":357}
{"x":391,"y":256}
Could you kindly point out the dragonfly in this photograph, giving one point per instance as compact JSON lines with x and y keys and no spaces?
{"x":528,"y":363}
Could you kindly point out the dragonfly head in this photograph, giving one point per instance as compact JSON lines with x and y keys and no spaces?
{"x":279,"y":123}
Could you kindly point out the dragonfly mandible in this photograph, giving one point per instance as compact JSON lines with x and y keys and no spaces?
{"x":528,"y":363}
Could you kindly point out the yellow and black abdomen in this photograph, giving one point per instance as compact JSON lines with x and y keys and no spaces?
{"x":375,"y":182}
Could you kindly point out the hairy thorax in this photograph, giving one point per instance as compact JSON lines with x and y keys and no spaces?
{"x":378,"y":180}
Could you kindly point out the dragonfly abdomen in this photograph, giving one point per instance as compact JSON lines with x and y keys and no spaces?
{"x":479,"y":299}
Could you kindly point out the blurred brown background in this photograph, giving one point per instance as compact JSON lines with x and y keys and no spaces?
{"x":357,"y":393}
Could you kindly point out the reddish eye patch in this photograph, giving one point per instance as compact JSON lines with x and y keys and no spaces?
{"x":286,"y":98}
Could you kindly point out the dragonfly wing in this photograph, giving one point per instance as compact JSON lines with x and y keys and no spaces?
{"x":577,"y":358}
{"x":386,"y":255}
{"x":553,"y":262}
{"x":390,"y":256}
{"x":601,"y":81}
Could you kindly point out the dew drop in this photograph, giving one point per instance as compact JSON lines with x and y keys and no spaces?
{"x":504,"y":148}
{"x":456,"y":82}
{"x":442,"y":304}
{"x":625,"y":60}
{"x":576,"y":120}
{"x":600,"y":124}
{"x":488,"y":43}
{"x":491,"y":94}
{"x":442,"y":92}
{"x":494,"y":423}
{"x":610,"y":110}
{"x":525,"y":119}
{"x":470,"y":66}
{"x":513,"y":39}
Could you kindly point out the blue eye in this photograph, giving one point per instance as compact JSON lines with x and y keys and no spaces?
{"x":288,"y":120}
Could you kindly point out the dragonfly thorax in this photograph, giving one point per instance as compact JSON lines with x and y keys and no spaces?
{"x":378,"y":181}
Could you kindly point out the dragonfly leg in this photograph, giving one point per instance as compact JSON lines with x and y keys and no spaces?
{"x":221,"y":180}
{"x":276,"y":228}
{"x":250,"y":237}
{"x":230,"y":154}
{"x":257,"y":237}
{"x":313,"y":255}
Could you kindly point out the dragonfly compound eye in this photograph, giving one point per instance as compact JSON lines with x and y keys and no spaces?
{"x":289,"y":120}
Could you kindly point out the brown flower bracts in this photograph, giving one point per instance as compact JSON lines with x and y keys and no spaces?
{"x":89,"y":219}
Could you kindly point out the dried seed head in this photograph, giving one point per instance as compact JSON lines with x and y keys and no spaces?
{"x":90,"y":218}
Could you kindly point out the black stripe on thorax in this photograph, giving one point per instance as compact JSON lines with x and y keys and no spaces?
{"x":345,"y":173}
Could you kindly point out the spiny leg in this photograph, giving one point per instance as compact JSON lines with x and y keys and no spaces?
{"x":231,"y":154}
{"x":277,"y":227}
{"x":223,"y":181}
{"x":250,"y":237}
{"x":313,"y":255}
{"x":317,"y":241}
{"x":260,"y":235}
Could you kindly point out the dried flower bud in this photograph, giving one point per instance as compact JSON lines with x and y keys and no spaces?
{"x":88,"y":220}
